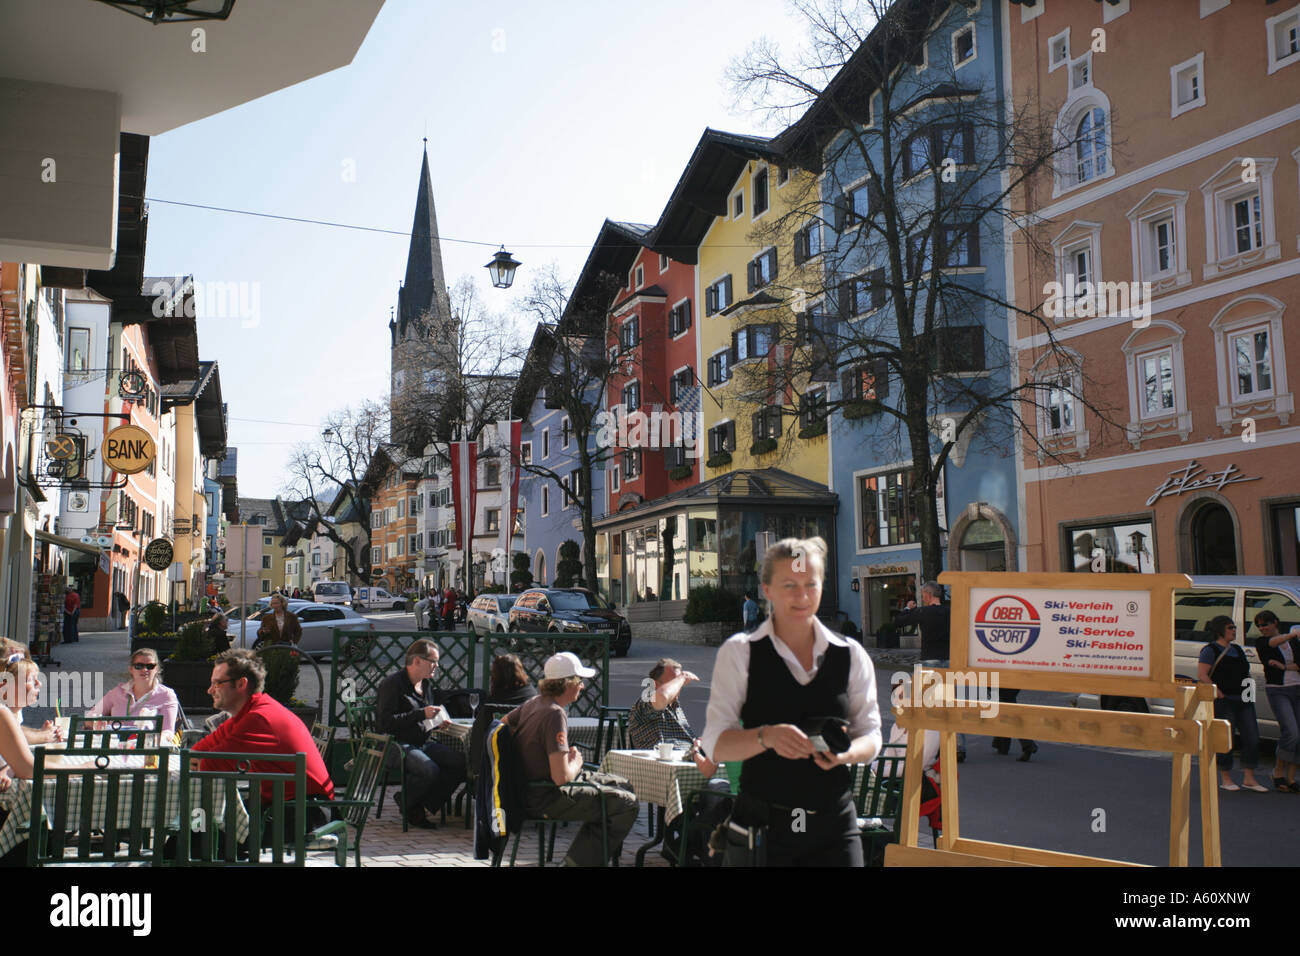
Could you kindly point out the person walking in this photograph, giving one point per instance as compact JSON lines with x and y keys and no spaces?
{"x":1223,"y":663}
{"x":750,"y":612}
{"x":71,"y":614}
{"x":934,"y":618}
{"x":1279,"y":653}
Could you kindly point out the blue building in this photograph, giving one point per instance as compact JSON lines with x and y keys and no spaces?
{"x":915,"y":114}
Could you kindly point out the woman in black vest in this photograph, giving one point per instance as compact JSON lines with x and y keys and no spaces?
{"x":774,"y":691}
{"x":1223,"y":663}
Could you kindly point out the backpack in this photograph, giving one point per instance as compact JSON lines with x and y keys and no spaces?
{"x":708,"y":809}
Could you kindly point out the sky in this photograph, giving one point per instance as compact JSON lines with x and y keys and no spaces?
{"x":542,"y":120}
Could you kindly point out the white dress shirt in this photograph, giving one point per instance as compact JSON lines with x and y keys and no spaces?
{"x":731,"y":681}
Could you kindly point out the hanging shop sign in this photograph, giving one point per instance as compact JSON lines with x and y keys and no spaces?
{"x":158,"y":555}
{"x":1192,"y":477}
{"x":128,"y":449}
{"x":62,"y":447}
{"x":131,"y":386}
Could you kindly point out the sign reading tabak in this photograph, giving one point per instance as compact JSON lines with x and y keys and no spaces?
{"x":1192,"y":477}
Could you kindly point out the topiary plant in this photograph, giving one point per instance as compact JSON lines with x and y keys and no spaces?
{"x":192,"y":644}
{"x":153,"y":619}
{"x":521,"y":578}
{"x":569,"y":569}
{"x":707,"y":603}
{"x":281,"y":671}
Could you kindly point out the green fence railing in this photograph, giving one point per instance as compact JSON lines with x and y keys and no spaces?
{"x":363,"y":659}
{"x":534,"y":649}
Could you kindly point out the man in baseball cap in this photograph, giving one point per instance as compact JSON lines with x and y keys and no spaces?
{"x":541,"y":737}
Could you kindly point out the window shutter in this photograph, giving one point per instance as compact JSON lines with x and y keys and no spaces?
{"x":731,"y":436}
{"x":734,"y":339}
{"x":712,"y":371}
{"x":875,"y":198}
{"x":688,"y":377}
{"x":727,"y":285}
{"x":775,"y":417}
{"x":880,"y":368}
{"x":771,"y":255}
{"x":756,"y":423}
{"x":710,"y":300}
{"x":686,"y":314}
{"x":877,"y":281}
{"x":972,"y":234}
{"x":805,"y":411}
{"x":968,"y":143}
{"x":751,"y":280}
{"x":840,"y":213}
{"x":800,"y":247}
{"x":977,"y":349}
{"x":801,"y":331}
{"x":844,"y":295}
{"x":847,"y":381}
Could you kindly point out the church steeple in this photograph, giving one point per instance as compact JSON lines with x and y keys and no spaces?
{"x":424,"y":289}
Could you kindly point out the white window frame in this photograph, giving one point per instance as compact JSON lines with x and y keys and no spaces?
{"x":1220,"y":192}
{"x":726,"y":353}
{"x":1232,"y":337}
{"x":663,"y":263}
{"x":1084,"y":62}
{"x":614,"y":478}
{"x":1068,"y":378}
{"x":1196,"y":66}
{"x":634,"y":454}
{"x":1156,"y":355}
{"x":525,"y":452}
{"x":546,"y":443}
{"x":1245,"y":313}
{"x":639,"y":276}
{"x":672,"y":376}
{"x":1076,"y":235}
{"x":640,"y":399}
{"x":675,"y":306}
{"x":1275,"y":62}
{"x":761,"y":168}
{"x":732,"y":212}
{"x":566,"y":427}
{"x":974,"y":47}
{"x":1157,"y":206}
{"x":1157,"y":337}
{"x":1054,"y":62}
{"x":1066,"y":172}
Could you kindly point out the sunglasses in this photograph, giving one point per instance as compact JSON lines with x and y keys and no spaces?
{"x":143,"y":667}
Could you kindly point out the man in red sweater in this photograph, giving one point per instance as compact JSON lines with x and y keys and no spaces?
{"x":258,"y":724}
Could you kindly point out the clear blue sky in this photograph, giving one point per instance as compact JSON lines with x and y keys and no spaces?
{"x":542,"y":119}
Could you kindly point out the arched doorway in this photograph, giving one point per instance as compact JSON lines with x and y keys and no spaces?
{"x":539,"y":568}
{"x":1214,"y":540}
{"x":982,"y":547}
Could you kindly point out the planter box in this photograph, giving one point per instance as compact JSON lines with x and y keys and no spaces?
{"x":165,"y":646}
{"x":190,"y":680}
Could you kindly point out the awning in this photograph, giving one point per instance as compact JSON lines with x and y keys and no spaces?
{"x":70,"y":543}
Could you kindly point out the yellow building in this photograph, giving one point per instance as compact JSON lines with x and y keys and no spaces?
{"x":200,"y":434}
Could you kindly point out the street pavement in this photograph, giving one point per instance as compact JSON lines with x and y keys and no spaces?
{"x":1069,"y":798}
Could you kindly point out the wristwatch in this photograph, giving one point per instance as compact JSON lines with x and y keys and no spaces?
{"x":760,"y":738}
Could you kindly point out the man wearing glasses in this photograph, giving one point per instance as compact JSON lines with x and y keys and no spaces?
{"x":541,"y":737}
{"x":407,"y":708}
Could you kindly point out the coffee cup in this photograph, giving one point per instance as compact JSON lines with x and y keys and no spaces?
{"x":666,"y":751}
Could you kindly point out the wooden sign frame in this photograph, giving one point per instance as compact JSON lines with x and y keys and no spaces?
{"x":1192,"y":730}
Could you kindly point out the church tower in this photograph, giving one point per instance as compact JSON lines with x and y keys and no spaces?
{"x":422,"y":332}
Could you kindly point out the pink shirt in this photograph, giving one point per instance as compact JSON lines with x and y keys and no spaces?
{"x":119,"y":702}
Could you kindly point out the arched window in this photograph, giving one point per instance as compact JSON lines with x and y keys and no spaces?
{"x":1090,"y":145}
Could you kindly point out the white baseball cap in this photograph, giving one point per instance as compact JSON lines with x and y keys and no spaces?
{"x":566,"y":664}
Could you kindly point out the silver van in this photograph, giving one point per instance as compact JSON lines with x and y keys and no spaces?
{"x":1240,"y":597}
{"x":332,"y":592}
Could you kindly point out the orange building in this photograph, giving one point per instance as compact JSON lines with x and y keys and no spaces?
{"x":1168,"y":259}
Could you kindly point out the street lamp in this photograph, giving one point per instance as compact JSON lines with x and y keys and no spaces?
{"x":1137,"y":547}
{"x":173,"y":11}
{"x":502,"y":269}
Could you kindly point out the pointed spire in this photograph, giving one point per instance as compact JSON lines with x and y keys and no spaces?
{"x":424,"y":288}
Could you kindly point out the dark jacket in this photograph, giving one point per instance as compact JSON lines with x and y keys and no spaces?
{"x":1274,"y":675}
{"x":399,"y":710}
{"x":269,"y":633}
{"x":935,"y":621}
{"x":501,"y":794}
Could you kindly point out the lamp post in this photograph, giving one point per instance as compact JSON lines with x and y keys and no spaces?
{"x":1137,"y":547}
{"x":502,"y":269}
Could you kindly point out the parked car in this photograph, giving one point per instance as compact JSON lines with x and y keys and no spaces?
{"x":252,"y":614}
{"x":332,"y":592}
{"x":318,"y":624}
{"x":377,"y":599}
{"x":1240,"y":598}
{"x":490,"y":613}
{"x":569,"y":611}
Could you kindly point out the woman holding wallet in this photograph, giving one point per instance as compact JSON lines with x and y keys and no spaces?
{"x":797,"y":703}
{"x":1223,"y":663}
{"x":1279,"y":655}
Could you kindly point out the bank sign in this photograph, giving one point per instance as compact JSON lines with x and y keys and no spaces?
{"x":1075,"y":631}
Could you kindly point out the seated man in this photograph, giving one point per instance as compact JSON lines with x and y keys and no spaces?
{"x":406,"y":708}
{"x":541,"y":738}
{"x":258,"y":724}
{"x":658,"y":717}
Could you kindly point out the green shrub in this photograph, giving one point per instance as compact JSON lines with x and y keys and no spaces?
{"x":192,"y":643}
{"x":568,"y":572}
{"x":521,"y":578}
{"x":720,"y":460}
{"x":707,"y":603}
{"x":281,"y":672}
{"x":861,"y":409}
{"x":813,"y":430}
{"x":763,"y":446}
{"x":154,"y":618}
{"x":681,"y":472}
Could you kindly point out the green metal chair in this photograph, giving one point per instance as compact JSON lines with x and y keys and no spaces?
{"x":611,"y":733}
{"x":545,"y":846}
{"x":353,"y":805}
{"x":132,"y":803}
{"x":879,"y":801}
{"x":216,"y":834}
{"x":109,"y":733}
{"x":323,"y":734}
{"x":362,"y":720}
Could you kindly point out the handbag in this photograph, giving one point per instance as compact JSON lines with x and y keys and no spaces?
{"x":742,"y":844}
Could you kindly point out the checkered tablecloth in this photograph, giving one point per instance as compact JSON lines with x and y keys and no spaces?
{"x":582,"y":730}
{"x":666,"y":783}
{"x":18,"y":801}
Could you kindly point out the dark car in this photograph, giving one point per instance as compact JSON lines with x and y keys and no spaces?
{"x":570,"y":611}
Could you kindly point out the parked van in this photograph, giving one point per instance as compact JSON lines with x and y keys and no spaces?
{"x":332,"y":592}
{"x":1240,"y":598}
{"x":377,"y":599}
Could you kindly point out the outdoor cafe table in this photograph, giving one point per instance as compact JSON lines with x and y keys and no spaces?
{"x":582,"y":730}
{"x":18,"y":801}
{"x":667,"y":784}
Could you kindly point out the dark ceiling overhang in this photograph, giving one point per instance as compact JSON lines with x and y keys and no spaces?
{"x":603,"y":274}
{"x":126,"y":277}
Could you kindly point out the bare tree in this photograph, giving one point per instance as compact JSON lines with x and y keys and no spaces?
{"x":336,"y":465}
{"x":917,"y":173}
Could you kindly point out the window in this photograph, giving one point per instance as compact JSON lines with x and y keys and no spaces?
{"x":679,"y":318}
{"x":1187,"y":85}
{"x":766,"y":423}
{"x":575,"y":483}
{"x":1247,"y":227}
{"x":492,"y":519}
{"x":663,"y":263}
{"x":1090,"y":145}
{"x":1078,"y":268}
{"x":868,"y":382}
{"x":546,"y":499}
{"x":722,"y":437}
{"x":1252,"y":364}
{"x":959,"y":349}
{"x":719,"y":367}
{"x":566,"y":429}
{"x":1157,"y":390}
{"x":1157,"y":371}
{"x":1057,"y":397}
{"x":807,"y":243}
{"x":936,"y":143}
{"x":960,"y":246}
{"x":632,"y":396}
{"x":632,"y":464}
{"x":782,"y":176}
{"x":858,"y":204}
{"x":760,"y":193}
{"x":963,"y":46}
{"x":812,"y":407}
{"x":752,"y":342}
{"x":614,"y":478}
{"x":413,"y":505}
{"x":78,"y":350}
{"x":1076,"y":249}
{"x":401,"y":509}
{"x":717,"y":296}
{"x":678,"y":385}
{"x":1283,"y":39}
{"x":1163,"y":245}
{"x":546,"y":443}
{"x":266,"y":587}
{"x":737,"y":205}
{"x":886,"y":510}
{"x":640,"y":276}
{"x":492,"y":474}
{"x":1058,"y":50}
{"x":674,"y":457}
{"x":631,"y":334}
{"x":1241,"y":232}
{"x":1122,"y":547}
{"x":862,"y":294}
{"x":1081,"y":72}
{"x":762,"y":270}
{"x":266,"y":542}
{"x":266,"y":561}
{"x":413,"y":546}
{"x":401,"y":545}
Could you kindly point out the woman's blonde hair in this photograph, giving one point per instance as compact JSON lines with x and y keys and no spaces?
{"x":798,"y":550}
{"x":15,"y":671}
{"x":148,"y":652}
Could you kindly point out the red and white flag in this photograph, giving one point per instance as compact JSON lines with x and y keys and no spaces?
{"x":464,"y":496}
{"x":512,"y":432}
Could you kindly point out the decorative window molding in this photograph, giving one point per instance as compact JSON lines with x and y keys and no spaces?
{"x":1058,"y":50}
{"x":1158,"y":238}
{"x":1187,"y":85}
{"x":1282,"y":34}
{"x":1081,"y":238}
{"x":1060,"y":413}
{"x":1248,"y":313}
{"x":1240,"y":229}
{"x":1160,"y":337}
{"x":964,"y":50}
{"x":1088,"y":159}
{"x":1080,"y":77}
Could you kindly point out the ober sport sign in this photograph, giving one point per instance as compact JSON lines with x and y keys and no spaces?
{"x":128,"y":449}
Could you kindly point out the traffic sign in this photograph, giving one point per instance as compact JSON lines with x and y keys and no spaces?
{"x":129,"y":449}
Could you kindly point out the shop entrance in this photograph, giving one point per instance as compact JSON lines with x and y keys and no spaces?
{"x":1214,"y":540}
{"x":886,"y":596}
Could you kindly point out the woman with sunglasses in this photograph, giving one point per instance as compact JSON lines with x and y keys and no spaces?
{"x":143,"y":695}
{"x":1223,"y":663}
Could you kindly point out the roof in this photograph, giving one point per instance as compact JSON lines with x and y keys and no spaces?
{"x":702,"y":192}
{"x":742,"y":488}
{"x":251,"y":508}
{"x":605,"y":272}
{"x":172,"y":335}
{"x":759,"y":300}
{"x":127,"y":275}
{"x":424,"y":289}
{"x":204,"y":390}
